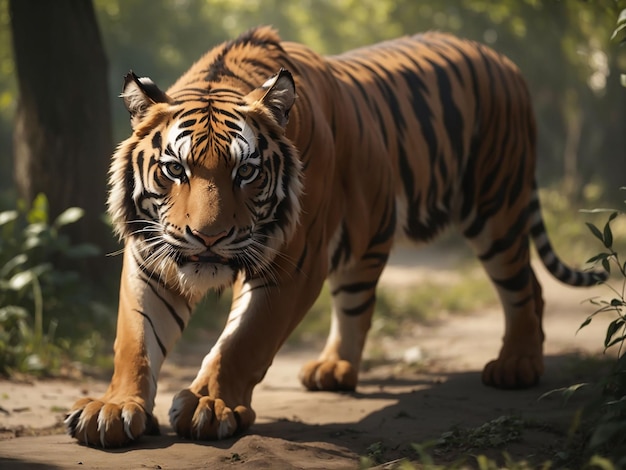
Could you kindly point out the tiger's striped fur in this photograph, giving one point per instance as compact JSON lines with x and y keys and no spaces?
{"x":229,"y":178}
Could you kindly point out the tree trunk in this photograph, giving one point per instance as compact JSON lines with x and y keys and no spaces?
{"x":613,"y":168}
{"x":62,"y":135}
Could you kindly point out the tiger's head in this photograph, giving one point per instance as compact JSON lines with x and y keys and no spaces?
{"x":208,"y":185}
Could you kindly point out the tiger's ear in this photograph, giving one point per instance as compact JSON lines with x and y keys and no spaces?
{"x":139,"y":93}
{"x":276,"y":95}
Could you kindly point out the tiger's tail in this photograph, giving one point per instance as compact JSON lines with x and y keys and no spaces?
{"x":549,"y":258}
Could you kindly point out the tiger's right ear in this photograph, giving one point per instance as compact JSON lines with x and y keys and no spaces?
{"x":139,"y":93}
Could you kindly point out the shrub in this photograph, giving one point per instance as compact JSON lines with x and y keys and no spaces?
{"x":40,"y":292}
{"x":608,"y":431}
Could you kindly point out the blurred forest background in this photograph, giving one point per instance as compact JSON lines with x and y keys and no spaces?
{"x":74,"y":53}
{"x":562,"y":47}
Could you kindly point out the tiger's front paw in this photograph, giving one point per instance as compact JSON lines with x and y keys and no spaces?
{"x":204,"y":418}
{"x":329,"y":375}
{"x":109,"y":424}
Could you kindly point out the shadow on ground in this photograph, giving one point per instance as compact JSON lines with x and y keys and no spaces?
{"x":389,"y":412}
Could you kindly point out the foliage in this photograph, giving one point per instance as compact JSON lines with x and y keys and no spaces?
{"x":608,"y":433}
{"x":40,"y":295}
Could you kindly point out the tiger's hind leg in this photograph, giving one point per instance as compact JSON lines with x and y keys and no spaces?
{"x":507,"y":262}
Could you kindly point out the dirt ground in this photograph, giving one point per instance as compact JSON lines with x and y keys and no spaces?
{"x":396,"y":404}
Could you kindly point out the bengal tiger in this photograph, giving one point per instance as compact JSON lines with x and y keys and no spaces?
{"x":272,"y":169}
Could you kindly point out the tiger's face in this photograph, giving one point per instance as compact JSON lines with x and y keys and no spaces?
{"x":208,"y":185}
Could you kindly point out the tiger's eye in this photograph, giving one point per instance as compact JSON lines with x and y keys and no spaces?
{"x":245,"y":171}
{"x":175,"y":169}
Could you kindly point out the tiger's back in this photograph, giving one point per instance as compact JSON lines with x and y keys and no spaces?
{"x":448,"y":116}
{"x":272,"y":168}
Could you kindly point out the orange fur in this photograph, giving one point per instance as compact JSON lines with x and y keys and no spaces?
{"x":271,"y":168}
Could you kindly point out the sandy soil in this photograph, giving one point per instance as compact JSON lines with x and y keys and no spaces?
{"x":396,"y":404}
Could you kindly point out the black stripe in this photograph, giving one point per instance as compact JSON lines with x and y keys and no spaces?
{"x":514,"y":234}
{"x":156,"y":140}
{"x":516,"y":282}
{"x":343,"y":251}
{"x":183,"y":134}
{"x":452,"y":119}
{"x":163,"y":350}
{"x":378,"y":258}
{"x":187,"y":123}
{"x":487,"y":209}
{"x":300,"y":263}
{"x":179,"y":321}
{"x":421,"y":109}
{"x":524,"y":301}
{"x":385,"y":230}
{"x":355,"y":287}
{"x":360,"y":309}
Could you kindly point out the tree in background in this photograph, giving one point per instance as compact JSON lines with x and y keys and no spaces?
{"x":62,"y":127}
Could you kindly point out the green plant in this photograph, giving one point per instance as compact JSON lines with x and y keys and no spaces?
{"x":608,"y":432}
{"x":40,"y":292}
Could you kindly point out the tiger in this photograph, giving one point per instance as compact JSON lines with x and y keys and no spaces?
{"x":271,"y":169}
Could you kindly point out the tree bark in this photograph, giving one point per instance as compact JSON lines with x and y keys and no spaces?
{"x":62,"y":135}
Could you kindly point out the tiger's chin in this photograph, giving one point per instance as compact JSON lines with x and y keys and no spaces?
{"x":196,"y":277}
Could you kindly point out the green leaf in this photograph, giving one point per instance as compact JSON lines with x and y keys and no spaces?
{"x":7,"y":216}
{"x":613,"y":328}
{"x":606,"y":265}
{"x":69,"y":216}
{"x":42,"y":268}
{"x":608,"y":235}
{"x":601,"y":463}
{"x":35,"y":229}
{"x":596,"y":231}
{"x":39,"y":210}
{"x":566,"y":392}
{"x":21,"y":279}
{"x":598,"y":257}
{"x":620,"y":30}
{"x":584,"y":324}
{"x":619,"y":339}
{"x":11,"y":312}
{"x":12,"y":264}
{"x":32,"y":242}
{"x":619,"y":33}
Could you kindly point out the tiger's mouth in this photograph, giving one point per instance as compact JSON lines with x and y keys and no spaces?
{"x":207,"y":258}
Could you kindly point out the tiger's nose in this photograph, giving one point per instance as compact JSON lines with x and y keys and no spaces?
{"x":210,"y":240}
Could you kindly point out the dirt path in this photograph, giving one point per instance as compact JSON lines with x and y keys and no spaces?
{"x":393,"y":407}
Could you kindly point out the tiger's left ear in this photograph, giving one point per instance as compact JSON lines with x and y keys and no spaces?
{"x":139,"y":93}
{"x":277,"y":95}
